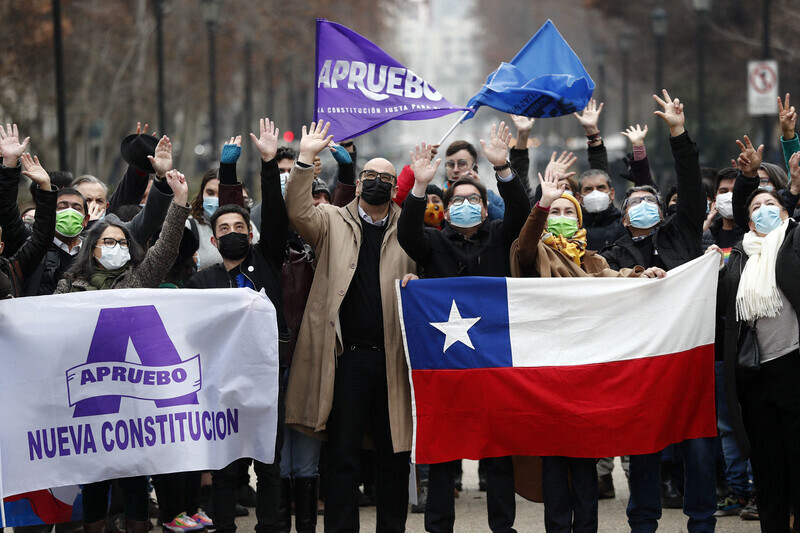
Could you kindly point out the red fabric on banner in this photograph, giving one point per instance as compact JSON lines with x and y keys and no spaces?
{"x":610,"y":409}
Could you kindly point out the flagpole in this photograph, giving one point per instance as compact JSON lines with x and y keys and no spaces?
{"x":459,"y":121}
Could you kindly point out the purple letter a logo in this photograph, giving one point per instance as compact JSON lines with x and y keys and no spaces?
{"x":143,"y":326}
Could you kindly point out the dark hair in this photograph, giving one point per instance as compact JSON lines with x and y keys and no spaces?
{"x":776,"y":175}
{"x":466,"y":180}
{"x":642,"y":188}
{"x":708,"y":186}
{"x":773,"y":193}
{"x":709,"y":173}
{"x":457,"y":146}
{"x":728,"y":173}
{"x":74,"y":192}
{"x":286,"y":152}
{"x":197,"y":212}
{"x":58,"y":180}
{"x":127,"y":212}
{"x":224,"y":210}
{"x":672,"y":191}
{"x":433,"y":189}
{"x":591,"y":173}
{"x":84,"y":265}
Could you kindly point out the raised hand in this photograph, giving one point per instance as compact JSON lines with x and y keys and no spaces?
{"x":636,"y":135}
{"x":496,"y":150}
{"x":267,"y":140}
{"x":317,"y":166}
{"x":423,"y":166}
{"x":788,"y":118}
{"x":177,"y":182}
{"x":749,"y":158}
{"x":590,"y":117}
{"x":162,"y":162}
{"x":314,"y":139}
{"x":96,"y":211}
{"x":10,"y":147}
{"x":562,"y":164}
{"x":523,"y":124}
{"x":672,"y":113}
{"x":551,"y":190}
{"x":794,"y":173}
{"x":34,"y":170}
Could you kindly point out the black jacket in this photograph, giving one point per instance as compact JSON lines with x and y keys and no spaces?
{"x":23,"y":262}
{"x":262,"y":266}
{"x":676,"y":239}
{"x":787,"y":271}
{"x":447,"y":253}
{"x":603,"y":228}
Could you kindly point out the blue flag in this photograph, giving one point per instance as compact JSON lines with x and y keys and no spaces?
{"x":545,"y":79}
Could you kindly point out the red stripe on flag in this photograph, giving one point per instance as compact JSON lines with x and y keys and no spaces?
{"x":600,"y":410}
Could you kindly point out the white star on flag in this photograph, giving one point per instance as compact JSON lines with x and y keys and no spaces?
{"x":456,"y":328}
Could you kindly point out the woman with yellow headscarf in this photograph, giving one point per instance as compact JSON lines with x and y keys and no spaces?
{"x":553,"y":244}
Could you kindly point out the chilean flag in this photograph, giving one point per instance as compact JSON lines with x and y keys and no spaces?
{"x":577,"y":367}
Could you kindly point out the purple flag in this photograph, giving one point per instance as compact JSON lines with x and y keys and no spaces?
{"x":360,"y":87}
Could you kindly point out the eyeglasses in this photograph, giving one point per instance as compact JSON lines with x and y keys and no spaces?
{"x":636,"y":200}
{"x":463,"y":164}
{"x":472,"y":198}
{"x":108,"y":241}
{"x":372,"y":174}
{"x":763,"y":182}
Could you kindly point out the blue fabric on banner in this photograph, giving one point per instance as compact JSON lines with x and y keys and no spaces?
{"x":431,"y":301}
{"x":545,"y":79}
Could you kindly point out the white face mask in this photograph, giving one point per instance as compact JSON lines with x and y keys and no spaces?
{"x":724,"y":204}
{"x":596,"y":201}
{"x":114,"y":257}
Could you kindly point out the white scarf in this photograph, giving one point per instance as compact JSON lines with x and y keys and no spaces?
{"x":758,"y":294}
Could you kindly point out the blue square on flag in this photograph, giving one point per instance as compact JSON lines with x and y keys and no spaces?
{"x":457,"y":323}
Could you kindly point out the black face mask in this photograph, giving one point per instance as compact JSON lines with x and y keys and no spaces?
{"x":376,"y":192}
{"x":234,"y":245}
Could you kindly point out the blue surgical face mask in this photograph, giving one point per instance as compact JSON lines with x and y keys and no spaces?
{"x":767,"y":218}
{"x":466,"y":215}
{"x":767,"y":188}
{"x":644,"y":215}
{"x":210,"y":205}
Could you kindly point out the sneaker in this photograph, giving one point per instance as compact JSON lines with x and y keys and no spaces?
{"x":182,"y":523}
{"x":750,"y":512}
{"x":202,"y":519}
{"x":731,"y":505}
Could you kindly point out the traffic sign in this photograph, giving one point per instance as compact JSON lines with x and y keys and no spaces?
{"x":762,"y":87}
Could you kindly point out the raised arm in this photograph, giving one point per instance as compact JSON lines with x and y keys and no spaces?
{"x":230,"y":189}
{"x":345,"y":156}
{"x":518,"y":155}
{"x":589,"y":120}
{"x":788,"y":119}
{"x":274,"y":220}
{"x":692,"y":207}
{"x":531,"y":233}
{"x":307,"y":219}
{"x":32,"y":251}
{"x":11,"y":149}
{"x":411,"y":225}
{"x":640,"y":166}
{"x":747,"y":180}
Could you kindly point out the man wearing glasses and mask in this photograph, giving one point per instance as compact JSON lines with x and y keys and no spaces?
{"x":461,"y":161}
{"x":349,"y":375}
{"x":470,"y":244}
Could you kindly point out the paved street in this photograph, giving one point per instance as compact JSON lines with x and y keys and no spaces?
{"x":471,"y":512}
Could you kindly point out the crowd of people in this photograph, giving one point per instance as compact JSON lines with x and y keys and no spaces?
{"x":328,"y":257}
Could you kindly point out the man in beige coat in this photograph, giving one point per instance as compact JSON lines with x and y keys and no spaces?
{"x":349,"y":375}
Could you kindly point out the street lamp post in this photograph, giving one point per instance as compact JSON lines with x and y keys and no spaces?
{"x":701,"y":7}
{"x":61,"y":101}
{"x":625,"y":43}
{"x":766,"y":120}
{"x":158,"y":6}
{"x":211,"y":12}
{"x":601,"y":53}
{"x":658,"y":23}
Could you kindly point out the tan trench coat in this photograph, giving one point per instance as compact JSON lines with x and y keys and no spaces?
{"x":335,"y":235}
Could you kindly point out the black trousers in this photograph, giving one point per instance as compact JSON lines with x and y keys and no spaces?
{"x":361,"y":405}
{"x":268,"y":487}
{"x":501,"y":506}
{"x":177,"y":493}
{"x":771,"y":412}
{"x":569,"y":490}
{"x":135,"y":499}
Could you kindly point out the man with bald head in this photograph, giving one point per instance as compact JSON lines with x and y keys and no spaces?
{"x":349,"y":376}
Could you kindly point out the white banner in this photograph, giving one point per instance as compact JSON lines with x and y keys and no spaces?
{"x":107,"y":384}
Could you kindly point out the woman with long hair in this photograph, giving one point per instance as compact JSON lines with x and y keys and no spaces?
{"x":110,"y":259}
